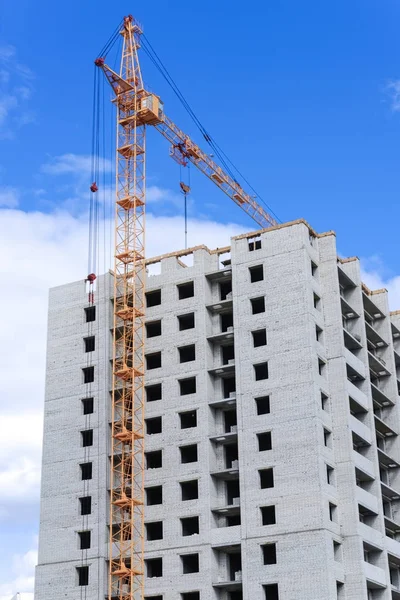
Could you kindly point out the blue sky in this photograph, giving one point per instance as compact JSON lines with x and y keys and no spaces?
{"x":304,"y":97}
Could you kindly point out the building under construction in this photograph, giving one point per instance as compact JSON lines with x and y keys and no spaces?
{"x":272,"y":457}
{"x":226,"y":428}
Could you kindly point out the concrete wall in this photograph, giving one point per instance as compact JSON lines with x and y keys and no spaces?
{"x":318,"y":557}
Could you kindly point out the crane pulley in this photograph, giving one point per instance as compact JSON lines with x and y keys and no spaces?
{"x":136,"y":109}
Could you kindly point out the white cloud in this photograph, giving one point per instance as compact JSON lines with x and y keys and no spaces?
{"x":374,"y":280}
{"x":39,"y":251}
{"x":77,"y":164}
{"x":9,"y":197}
{"x":15,"y":91}
{"x":393,"y":89}
{"x":21,"y":576}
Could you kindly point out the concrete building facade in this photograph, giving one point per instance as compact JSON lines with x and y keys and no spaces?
{"x":272,"y":422}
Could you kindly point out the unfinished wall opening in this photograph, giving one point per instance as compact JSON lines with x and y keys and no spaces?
{"x":232,"y":489}
{"x":153,"y":425}
{"x":189,"y":489}
{"x":226,"y":320}
{"x":259,"y":338}
{"x":318,"y":333}
{"x":229,"y":387}
{"x":224,"y":260}
{"x":154,"y":269}
{"x":190,"y":526}
{"x":227,"y":354}
{"x":153,"y":329}
{"x":86,"y":470}
{"x":153,"y":392}
{"x":85,"y":505}
{"x":233,"y":520}
{"x":89,"y":343}
{"x":332,"y":512}
{"x":256,"y":273}
{"x":327,"y":438}
{"x":269,"y":554}
{"x":154,"y":495}
{"x":84,"y":540}
{"x":186,"y":321}
{"x":225,"y":288}
{"x":340,"y":590}
{"x":330,"y":475}
{"x":257,"y":305}
{"x":337,"y":551}
{"x":268,"y":516}
{"x":230,"y":421}
{"x":263,"y":405}
{"x":154,"y":567}
{"x":154,"y":531}
{"x":153,"y":298}
{"x":158,"y":597}
{"x":254,"y":244}
{"x":190,"y":563}
{"x":187,"y":386}
{"x":317,"y":301}
{"x":261,"y":371}
{"x":83,"y":575}
{"x":153,"y":459}
{"x":187,"y":353}
{"x":188,"y":453}
{"x":90,"y":314}
{"x":314,"y":269}
{"x":153,"y":361}
{"x":324,"y":402}
{"x":88,"y":374}
{"x":234,"y":566}
{"x":188,"y":419}
{"x":87,"y":406}
{"x":231,"y":456}
{"x":190,"y":596}
{"x":264,"y":441}
{"x":271,"y":591}
{"x":321,"y":367}
{"x":87,"y":437}
{"x":186,"y":290}
{"x":266,"y":478}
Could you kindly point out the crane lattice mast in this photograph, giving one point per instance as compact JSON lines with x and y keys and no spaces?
{"x":137,"y":108}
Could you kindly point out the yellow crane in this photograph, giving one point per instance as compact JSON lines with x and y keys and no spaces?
{"x":136,"y":109}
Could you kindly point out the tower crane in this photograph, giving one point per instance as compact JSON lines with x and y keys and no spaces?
{"x":136,"y":109}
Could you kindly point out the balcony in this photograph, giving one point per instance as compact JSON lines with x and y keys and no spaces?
{"x":393,"y":548}
{"x":363,"y":464}
{"x":383,"y":427}
{"x":226,"y":370}
{"x":372,"y":312}
{"x":377,"y":365}
{"x":386,"y":460}
{"x":227,"y":474}
{"x":379,"y":395}
{"x":220,"y":275}
{"x":375,"y":576}
{"x":355,"y":365}
{"x":225,"y":438}
{"x":351,"y":341}
{"x":357,"y":395}
{"x":368,"y":500}
{"x":230,"y":401}
{"x":374,"y":337}
{"x":222,"y":306}
{"x":361,"y":430}
{"x":389,"y":492}
{"x":229,"y":536}
{"x":221,"y":337}
{"x":347,"y":310}
{"x":228,"y":510}
{"x":371,"y":535}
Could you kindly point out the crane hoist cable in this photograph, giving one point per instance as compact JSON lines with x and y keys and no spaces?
{"x":224,"y":159}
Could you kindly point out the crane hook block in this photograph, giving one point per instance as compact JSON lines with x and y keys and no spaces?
{"x":93,"y":187}
{"x":99,"y":62}
{"x":185,"y":188}
{"x":91,"y":278}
